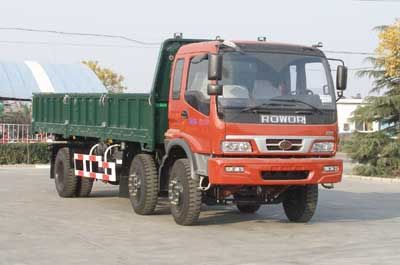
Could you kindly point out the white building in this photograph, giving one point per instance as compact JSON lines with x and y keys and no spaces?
{"x":345,"y":108}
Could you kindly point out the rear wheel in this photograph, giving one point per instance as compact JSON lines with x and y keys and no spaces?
{"x":84,"y":185}
{"x":65,"y":179}
{"x":183,"y":193}
{"x":248,"y":208}
{"x":143,"y":184}
{"x":300,"y":203}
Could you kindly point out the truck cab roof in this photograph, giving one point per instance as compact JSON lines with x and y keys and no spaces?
{"x":253,"y":46}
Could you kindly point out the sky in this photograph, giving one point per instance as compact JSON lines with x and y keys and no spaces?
{"x":341,"y":25}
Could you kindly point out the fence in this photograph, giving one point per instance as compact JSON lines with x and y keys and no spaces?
{"x":20,"y":133}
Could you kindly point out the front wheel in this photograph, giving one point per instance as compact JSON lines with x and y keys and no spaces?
{"x":184,"y":194}
{"x":143,"y":184}
{"x":300,"y":203}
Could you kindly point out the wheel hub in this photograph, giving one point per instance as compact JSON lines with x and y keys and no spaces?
{"x":136,"y":183}
{"x":175,"y":190}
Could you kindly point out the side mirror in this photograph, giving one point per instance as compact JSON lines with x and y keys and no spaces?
{"x":215,"y":67}
{"x":341,"y":77}
{"x":214,"y":90}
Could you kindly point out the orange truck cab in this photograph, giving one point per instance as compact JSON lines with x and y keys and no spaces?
{"x":259,"y":121}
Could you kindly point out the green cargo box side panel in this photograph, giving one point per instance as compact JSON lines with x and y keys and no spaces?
{"x":125,"y":117}
{"x":121,"y":117}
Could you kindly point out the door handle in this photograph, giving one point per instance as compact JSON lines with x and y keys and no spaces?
{"x":184,"y":114}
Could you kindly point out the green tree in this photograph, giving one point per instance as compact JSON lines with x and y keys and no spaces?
{"x":111,"y":80}
{"x":379,"y":153}
{"x":22,"y":115}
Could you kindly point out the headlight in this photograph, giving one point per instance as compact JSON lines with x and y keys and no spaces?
{"x":236,"y":147}
{"x":323,"y":147}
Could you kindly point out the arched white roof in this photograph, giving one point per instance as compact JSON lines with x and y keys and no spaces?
{"x":21,"y":80}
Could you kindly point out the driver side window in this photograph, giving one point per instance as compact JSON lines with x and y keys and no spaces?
{"x":196,"y":91}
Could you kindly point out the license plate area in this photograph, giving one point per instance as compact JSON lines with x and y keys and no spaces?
{"x":285,"y":175}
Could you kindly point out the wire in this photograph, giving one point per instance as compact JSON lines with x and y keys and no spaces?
{"x":140,"y":42}
{"x":350,"y":52}
{"x":22,"y":42}
{"x":117,"y":46}
{"x":378,"y":1}
{"x":80,"y":34}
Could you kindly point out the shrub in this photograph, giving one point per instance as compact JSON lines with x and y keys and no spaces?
{"x":22,"y":153}
{"x":377,"y":153}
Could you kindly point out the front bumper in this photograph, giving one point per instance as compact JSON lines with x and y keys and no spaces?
{"x":254,"y":167}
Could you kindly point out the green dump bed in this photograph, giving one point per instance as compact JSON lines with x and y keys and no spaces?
{"x":121,"y":117}
{"x":132,"y":117}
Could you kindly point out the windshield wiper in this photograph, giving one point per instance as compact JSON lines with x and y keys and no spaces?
{"x":264,"y":106}
{"x":297,"y":101}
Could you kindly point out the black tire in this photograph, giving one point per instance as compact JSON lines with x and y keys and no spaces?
{"x":84,"y":187}
{"x":144,"y":195}
{"x":300,"y":203}
{"x":248,"y":208}
{"x":184,"y":194}
{"x":65,"y":179}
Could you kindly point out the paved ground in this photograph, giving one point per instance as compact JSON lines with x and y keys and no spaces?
{"x":348,"y":165}
{"x":357,"y":223}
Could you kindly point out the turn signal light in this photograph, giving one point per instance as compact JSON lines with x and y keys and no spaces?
{"x":331,"y":168}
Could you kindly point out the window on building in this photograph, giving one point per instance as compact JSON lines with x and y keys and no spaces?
{"x":368,"y":126}
{"x":363,"y":126}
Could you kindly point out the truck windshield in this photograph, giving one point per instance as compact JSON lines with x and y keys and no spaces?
{"x":267,"y":81}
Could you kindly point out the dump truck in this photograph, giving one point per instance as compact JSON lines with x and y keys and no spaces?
{"x":246,"y":123}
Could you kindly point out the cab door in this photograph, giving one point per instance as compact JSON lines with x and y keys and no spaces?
{"x":189,"y":113}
